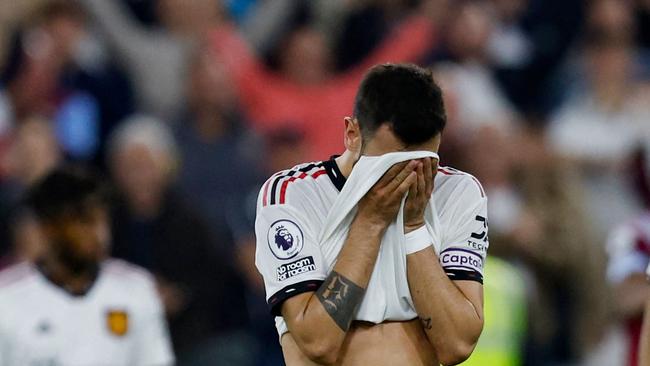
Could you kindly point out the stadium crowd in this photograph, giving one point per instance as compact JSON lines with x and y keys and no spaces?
{"x":188,"y":105}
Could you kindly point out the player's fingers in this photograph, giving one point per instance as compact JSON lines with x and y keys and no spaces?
{"x":428,"y":176}
{"x":421,"y":183}
{"x":391,"y":174}
{"x":413,"y":191}
{"x":401,"y":176}
{"x":404,"y":187}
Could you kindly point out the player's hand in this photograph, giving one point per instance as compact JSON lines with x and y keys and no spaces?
{"x":379,"y":207}
{"x":419,"y":194}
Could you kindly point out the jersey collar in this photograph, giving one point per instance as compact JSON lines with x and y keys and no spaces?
{"x":46,"y":275}
{"x":334,"y":173}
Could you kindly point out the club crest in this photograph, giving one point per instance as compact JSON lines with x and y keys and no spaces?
{"x":117,"y":322}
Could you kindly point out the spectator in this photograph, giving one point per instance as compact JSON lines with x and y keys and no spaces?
{"x":32,"y":154}
{"x":155,"y":228}
{"x":156,"y":59}
{"x":304,"y":96}
{"x":55,"y":69}
{"x":629,"y":255}
{"x":628,"y":246}
{"x":219,"y":156}
{"x":474,"y":94}
{"x":283,"y":149}
{"x":612,"y":110}
{"x":538,"y":219}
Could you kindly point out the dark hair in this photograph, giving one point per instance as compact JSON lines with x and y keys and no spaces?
{"x":66,"y":191}
{"x":406,"y":97}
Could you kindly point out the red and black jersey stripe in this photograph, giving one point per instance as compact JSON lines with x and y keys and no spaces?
{"x":275,"y":188}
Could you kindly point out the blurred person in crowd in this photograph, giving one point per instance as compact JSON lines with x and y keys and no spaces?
{"x":307,"y":92}
{"x":644,"y":339}
{"x":219,"y":156}
{"x":629,"y":255}
{"x":643,"y":21}
{"x":33,"y":153}
{"x":156,"y":228}
{"x":628,"y":247}
{"x":611,"y":109}
{"x":538,"y":220}
{"x":283,"y":148}
{"x":156,"y":58}
{"x":467,"y":78}
{"x":56,"y":69}
{"x":72,"y":305}
{"x":359,"y":27}
{"x":12,"y":13}
{"x":27,"y":241}
{"x":352,"y":28}
{"x":529,"y":41}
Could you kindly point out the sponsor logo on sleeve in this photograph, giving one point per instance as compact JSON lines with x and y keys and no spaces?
{"x":285,"y":239}
{"x":461,"y":259}
{"x":296,"y":268}
{"x":478,"y":240}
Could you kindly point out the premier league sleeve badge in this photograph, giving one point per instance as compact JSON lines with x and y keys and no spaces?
{"x":285,"y":239}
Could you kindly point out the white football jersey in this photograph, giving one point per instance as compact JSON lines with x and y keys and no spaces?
{"x":119,"y":321}
{"x":294,"y":204}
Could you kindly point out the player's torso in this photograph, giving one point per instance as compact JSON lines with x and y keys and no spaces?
{"x":389,"y":343}
{"x":45,"y":325}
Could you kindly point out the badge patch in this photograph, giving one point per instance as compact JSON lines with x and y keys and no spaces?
{"x":117,"y":322}
{"x":285,"y":239}
{"x":461,"y":259}
{"x":295,"y":268}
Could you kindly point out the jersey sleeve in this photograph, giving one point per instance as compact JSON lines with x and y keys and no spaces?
{"x":153,"y":345}
{"x":465,"y":243}
{"x":287,"y":254}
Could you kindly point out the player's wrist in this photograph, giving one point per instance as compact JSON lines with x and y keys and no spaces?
{"x":410,"y":227}
{"x":417,"y":240}
{"x":370,"y":226}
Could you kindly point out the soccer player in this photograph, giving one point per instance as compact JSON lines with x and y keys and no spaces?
{"x":315,"y":295}
{"x":72,"y":306}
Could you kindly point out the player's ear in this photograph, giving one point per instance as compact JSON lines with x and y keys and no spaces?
{"x":352,"y":138}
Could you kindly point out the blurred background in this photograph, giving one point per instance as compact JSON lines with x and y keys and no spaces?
{"x":188,"y":105}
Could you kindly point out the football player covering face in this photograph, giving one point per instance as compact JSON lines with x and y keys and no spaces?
{"x":450,"y":309}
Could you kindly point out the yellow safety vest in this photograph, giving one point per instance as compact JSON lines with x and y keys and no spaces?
{"x":501,"y":342}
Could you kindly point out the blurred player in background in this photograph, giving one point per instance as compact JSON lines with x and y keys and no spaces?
{"x":398,"y":108}
{"x":73,"y":306}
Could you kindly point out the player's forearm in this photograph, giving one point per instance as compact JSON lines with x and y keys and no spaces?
{"x":321,"y":327}
{"x":449,"y":318}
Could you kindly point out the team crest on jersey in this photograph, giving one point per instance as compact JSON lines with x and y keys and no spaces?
{"x":285,"y":239}
{"x":117,"y":322}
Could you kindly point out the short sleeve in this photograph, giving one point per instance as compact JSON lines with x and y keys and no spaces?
{"x":465,"y":243}
{"x":287,"y":254}
{"x":153,"y":345}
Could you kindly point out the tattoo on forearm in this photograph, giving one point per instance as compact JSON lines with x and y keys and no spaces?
{"x":340,"y":298}
{"x":426,"y":323}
